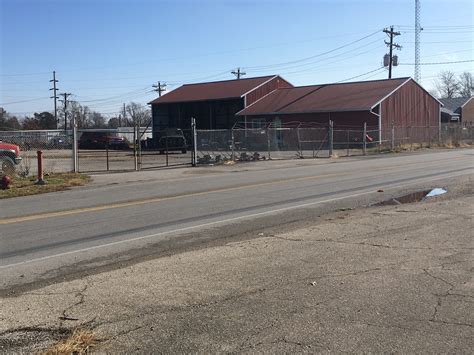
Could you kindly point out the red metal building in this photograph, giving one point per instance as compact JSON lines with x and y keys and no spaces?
{"x":212,"y":104}
{"x":379,"y":103}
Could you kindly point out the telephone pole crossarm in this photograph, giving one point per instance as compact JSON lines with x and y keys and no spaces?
{"x":238,"y":73}
{"x":159,"y":88}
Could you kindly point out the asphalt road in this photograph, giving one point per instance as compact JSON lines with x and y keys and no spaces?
{"x":50,"y":236}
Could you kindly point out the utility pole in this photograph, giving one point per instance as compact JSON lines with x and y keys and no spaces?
{"x":124,"y":116}
{"x":238,"y":73}
{"x":65,"y":101}
{"x":55,"y":97}
{"x":391,"y":33}
{"x":159,"y":88}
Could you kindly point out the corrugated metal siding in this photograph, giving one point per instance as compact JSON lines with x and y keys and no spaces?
{"x":340,"y":119}
{"x":409,"y":106}
{"x":258,"y":93}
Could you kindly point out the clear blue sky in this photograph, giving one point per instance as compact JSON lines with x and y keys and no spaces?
{"x":107,"y":52}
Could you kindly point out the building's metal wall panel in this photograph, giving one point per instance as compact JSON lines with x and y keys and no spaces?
{"x":340,"y":119}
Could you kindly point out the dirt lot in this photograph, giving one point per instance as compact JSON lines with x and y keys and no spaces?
{"x":376,"y":279}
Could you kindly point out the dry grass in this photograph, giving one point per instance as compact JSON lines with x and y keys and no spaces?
{"x":24,"y":186}
{"x":81,"y":341}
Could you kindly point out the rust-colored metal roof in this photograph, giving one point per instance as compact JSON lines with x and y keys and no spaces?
{"x":216,"y":90}
{"x":355,"y":96}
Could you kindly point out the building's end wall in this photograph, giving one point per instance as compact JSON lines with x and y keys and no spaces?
{"x":467,"y":112}
{"x":410,"y":106}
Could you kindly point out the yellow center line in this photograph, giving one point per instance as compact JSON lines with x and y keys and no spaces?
{"x":176,"y":197}
{"x":154,"y":200}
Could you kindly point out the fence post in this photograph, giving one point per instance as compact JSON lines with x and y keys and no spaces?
{"x":347,"y":142}
{"x":107,"y":151}
{"x":331,"y":138}
{"x":194,"y":133}
{"x":300,"y":151}
{"x":268,"y":143}
{"x":392,"y":143}
{"x":135,"y":158}
{"x":232,"y":146}
{"x":364,"y":140}
{"x":429,"y":136}
{"x":40,"y":180}
{"x":75,"y":167}
{"x":139,"y":139}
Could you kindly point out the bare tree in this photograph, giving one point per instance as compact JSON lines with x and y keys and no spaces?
{"x":137,"y":114}
{"x":447,"y":85}
{"x":96,"y":120}
{"x":466,"y":84}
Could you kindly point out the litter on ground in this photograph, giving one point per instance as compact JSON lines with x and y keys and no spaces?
{"x":435,"y":192}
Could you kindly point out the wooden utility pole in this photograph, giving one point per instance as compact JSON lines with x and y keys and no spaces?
{"x":65,"y":101}
{"x":391,"y":33}
{"x":55,"y":97}
{"x":159,"y":88}
{"x":122,"y":117}
{"x":238,"y":73}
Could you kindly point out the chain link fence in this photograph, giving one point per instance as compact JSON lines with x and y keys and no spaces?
{"x":299,"y":141}
{"x":56,"y":145}
{"x":129,"y":149}
{"x":167,"y":148}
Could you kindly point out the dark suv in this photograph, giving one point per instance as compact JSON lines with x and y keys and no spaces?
{"x":101,"y":140}
{"x":171,"y":141}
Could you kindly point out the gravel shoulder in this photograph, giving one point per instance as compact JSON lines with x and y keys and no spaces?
{"x":376,"y":279}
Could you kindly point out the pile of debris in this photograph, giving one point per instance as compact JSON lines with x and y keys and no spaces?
{"x":210,"y":159}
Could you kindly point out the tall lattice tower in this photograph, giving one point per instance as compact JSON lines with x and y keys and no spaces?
{"x":417,"y":40}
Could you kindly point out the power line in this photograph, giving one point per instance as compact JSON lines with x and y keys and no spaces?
{"x":118,"y":96}
{"x":25,"y":74}
{"x":444,"y":53}
{"x":440,"y":63}
{"x":323,"y":59}
{"x":358,"y":76}
{"x":22,"y":101}
{"x":346,"y":58}
{"x":313,"y":56}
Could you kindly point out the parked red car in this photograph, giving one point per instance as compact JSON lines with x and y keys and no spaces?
{"x":9,"y":157}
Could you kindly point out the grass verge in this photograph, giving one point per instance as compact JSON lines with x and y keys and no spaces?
{"x":81,"y":341}
{"x":24,"y":186}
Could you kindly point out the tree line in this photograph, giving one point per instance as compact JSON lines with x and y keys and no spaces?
{"x":450,"y":85}
{"x":133,"y":114}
